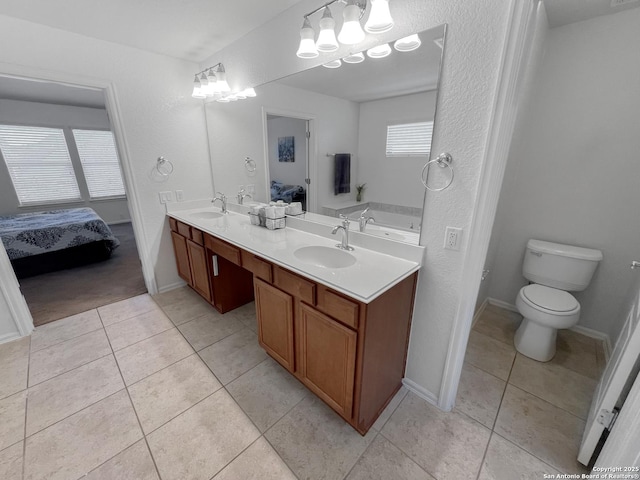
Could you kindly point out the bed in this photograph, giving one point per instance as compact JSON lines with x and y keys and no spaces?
{"x":288,"y":193}
{"x":43,"y":242}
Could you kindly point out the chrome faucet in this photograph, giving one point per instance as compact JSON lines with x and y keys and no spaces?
{"x":345,"y":233}
{"x":223,"y":198}
{"x":363,"y":220}
{"x":242,"y":195}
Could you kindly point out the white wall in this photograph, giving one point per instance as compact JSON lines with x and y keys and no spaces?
{"x":236,"y":131}
{"x":158,"y":115}
{"x":572,"y":176}
{"x":59,"y":116}
{"x":475,"y":43}
{"x":8,"y":328}
{"x":289,"y":173}
{"x":392,"y":180}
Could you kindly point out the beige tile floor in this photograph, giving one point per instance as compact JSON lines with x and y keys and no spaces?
{"x":165,"y":388}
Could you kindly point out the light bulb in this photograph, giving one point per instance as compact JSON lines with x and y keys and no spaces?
{"x":379,"y":18}
{"x":333,"y":64}
{"x":407,"y":44}
{"x":307,"y":48}
{"x":380,"y":51}
{"x":197,"y":89}
{"x":327,"y":37}
{"x":351,"y":32}
{"x":354,"y":58}
{"x":221,"y":84}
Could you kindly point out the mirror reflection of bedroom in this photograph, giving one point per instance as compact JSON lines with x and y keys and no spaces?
{"x":288,"y":148}
{"x":64,"y":216}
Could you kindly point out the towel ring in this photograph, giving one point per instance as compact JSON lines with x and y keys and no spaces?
{"x":443,"y":160}
{"x":249,"y":164}
{"x":164,"y":167}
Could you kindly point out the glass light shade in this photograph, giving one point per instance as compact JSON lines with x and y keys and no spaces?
{"x":333,"y":64}
{"x":327,"y":37}
{"x":211,"y":83}
{"x":240,"y":95}
{"x":307,"y":48}
{"x":379,"y":18}
{"x":250,"y":92}
{"x":354,"y":58}
{"x":351,"y":32}
{"x":380,"y":51}
{"x":223,"y":100}
{"x":407,"y":44}
{"x":197,"y":89}
{"x":221,"y":84}
{"x":232,"y":98}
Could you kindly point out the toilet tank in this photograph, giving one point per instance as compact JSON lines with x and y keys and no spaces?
{"x":560,"y":266}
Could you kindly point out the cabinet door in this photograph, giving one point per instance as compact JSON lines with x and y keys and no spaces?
{"x":275,"y":322}
{"x":182,"y":257}
{"x":327,"y":359}
{"x":199,"y":273}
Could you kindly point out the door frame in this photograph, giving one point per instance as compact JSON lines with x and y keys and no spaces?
{"x":10,"y":289}
{"x":312,"y":153}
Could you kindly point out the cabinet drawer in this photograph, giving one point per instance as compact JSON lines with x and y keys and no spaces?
{"x":223,"y":249}
{"x":294,"y":285}
{"x":184,"y":229}
{"x":259,"y":267}
{"x":338,"y":307}
{"x":173,"y":224}
{"x":197,"y":236}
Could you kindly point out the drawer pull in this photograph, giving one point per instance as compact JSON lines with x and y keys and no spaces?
{"x":214,"y":262}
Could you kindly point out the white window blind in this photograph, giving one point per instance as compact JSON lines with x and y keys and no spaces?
{"x":99,"y":158}
{"x":39,"y":164}
{"x":409,"y":139}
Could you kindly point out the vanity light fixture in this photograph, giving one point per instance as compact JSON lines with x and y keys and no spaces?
{"x":351,"y":32}
{"x":354,"y":58}
{"x":408,"y":44}
{"x":380,"y":51}
{"x":212,"y":83}
{"x":333,"y":64}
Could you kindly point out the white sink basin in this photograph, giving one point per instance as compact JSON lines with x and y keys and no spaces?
{"x":206,"y":215}
{"x":328,"y":257}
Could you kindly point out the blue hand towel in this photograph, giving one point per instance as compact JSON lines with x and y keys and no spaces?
{"x":342,"y":179}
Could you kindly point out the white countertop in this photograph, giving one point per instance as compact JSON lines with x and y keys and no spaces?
{"x":372,"y":274}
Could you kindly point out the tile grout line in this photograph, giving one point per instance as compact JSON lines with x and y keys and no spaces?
{"x":70,"y":338}
{"x":26,"y":405}
{"x":546,"y":462}
{"x":133,"y":408}
{"x":583,"y":420}
{"x":71,"y":370}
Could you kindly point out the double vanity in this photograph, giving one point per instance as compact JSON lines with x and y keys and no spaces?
{"x":338,"y":320}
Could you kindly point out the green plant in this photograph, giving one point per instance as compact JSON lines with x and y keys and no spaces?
{"x":360,"y":188}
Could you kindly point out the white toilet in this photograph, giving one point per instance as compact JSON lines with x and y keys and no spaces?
{"x":546,"y":304}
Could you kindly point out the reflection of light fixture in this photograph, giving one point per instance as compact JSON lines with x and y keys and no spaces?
{"x":351,"y":32}
{"x":379,"y":18}
{"x":380,"y":51}
{"x":354,"y":58}
{"x":333,"y":64}
{"x":408,"y":44}
{"x":327,"y":37}
{"x":307,"y":48}
{"x":212,"y":83}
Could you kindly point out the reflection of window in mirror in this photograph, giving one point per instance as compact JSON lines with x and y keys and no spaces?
{"x":409,"y":139}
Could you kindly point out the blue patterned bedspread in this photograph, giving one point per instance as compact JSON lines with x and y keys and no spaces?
{"x":29,"y":234}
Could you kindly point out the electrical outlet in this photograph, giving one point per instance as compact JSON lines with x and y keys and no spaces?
{"x":452,"y":238}
{"x":251,"y":189}
{"x":166,"y":197}
{"x":179,"y":195}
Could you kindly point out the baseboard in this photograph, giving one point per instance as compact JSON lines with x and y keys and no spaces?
{"x":9,"y":337}
{"x":171,"y":286}
{"x":420,"y":391}
{"x":479,"y":312}
{"x":603,"y":337}
{"x":499,"y":303}
{"x":119,"y":222}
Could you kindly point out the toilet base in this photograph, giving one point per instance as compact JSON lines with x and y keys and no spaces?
{"x":535,"y":341}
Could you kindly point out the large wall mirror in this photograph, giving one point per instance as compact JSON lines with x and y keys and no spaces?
{"x":346,"y":110}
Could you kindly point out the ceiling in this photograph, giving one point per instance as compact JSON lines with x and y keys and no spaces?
{"x":563,"y":12}
{"x":188,"y":29}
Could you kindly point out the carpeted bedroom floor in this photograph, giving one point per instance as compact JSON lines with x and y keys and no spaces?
{"x":57,"y":295}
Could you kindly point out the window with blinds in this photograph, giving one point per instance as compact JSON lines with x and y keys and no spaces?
{"x":99,"y":158}
{"x":409,"y":139}
{"x":39,"y":164}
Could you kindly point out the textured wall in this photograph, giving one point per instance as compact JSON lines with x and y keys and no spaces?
{"x":573,"y":168}
{"x":158,"y":115}
{"x":475,"y":41}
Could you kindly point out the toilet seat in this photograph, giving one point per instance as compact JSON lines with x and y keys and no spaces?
{"x":549,"y":300}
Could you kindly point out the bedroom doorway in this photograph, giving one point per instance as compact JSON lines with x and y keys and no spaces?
{"x":288,"y":155}
{"x":85,"y":262}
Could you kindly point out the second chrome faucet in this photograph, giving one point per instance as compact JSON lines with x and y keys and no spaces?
{"x":345,"y":233}
{"x":223,"y":198}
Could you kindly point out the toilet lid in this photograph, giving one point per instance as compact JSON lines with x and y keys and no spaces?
{"x":550,"y":298}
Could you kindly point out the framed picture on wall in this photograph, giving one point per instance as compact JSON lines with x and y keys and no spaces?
{"x":286,"y":149}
